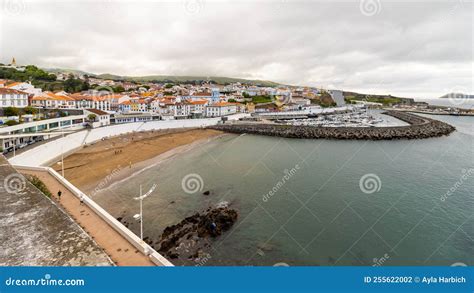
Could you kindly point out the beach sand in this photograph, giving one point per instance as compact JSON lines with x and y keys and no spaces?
{"x":101,"y":164}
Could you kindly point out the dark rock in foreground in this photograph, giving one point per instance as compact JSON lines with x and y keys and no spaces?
{"x":187,"y":239}
{"x":420,"y":127}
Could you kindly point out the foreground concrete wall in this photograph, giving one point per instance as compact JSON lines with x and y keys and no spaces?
{"x":140,"y":245}
{"x":34,"y":231}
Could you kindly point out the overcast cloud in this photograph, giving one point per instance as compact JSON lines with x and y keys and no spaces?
{"x":422,"y":49}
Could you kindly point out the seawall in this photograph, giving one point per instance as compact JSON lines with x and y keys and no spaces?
{"x":420,"y":127}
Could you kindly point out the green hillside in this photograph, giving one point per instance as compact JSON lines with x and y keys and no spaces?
{"x":165,"y":78}
{"x":177,"y":79}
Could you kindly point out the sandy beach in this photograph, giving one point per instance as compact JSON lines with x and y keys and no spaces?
{"x":99,"y":165}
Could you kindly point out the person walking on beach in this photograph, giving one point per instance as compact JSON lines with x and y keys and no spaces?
{"x":59,"y":195}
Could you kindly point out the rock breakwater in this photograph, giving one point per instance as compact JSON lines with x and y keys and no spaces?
{"x":419,"y":128}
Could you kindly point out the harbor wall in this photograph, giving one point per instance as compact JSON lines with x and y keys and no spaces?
{"x":420,"y":127}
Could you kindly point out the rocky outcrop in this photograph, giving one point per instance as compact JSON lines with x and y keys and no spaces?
{"x":187,"y":239}
{"x":420,"y":127}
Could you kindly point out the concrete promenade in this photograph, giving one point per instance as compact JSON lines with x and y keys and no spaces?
{"x":46,"y":153}
{"x":36,"y":231}
{"x":120,"y":250}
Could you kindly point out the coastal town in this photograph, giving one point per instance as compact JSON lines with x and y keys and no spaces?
{"x":29,"y":109}
{"x":101,"y":122}
{"x":212,"y":146}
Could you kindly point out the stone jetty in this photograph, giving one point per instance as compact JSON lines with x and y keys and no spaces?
{"x":420,"y":127}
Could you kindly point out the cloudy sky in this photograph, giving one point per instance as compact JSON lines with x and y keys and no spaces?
{"x":421,"y":49}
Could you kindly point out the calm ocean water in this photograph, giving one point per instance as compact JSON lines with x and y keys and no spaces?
{"x":417,"y":208}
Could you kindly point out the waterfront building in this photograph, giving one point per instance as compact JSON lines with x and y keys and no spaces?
{"x":133,"y":117}
{"x":50,"y":100}
{"x":221,"y":109}
{"x":196,"y":108}
{"x":101,"y":118}
{"x":13,"y":98}
{"x":17,"y":135}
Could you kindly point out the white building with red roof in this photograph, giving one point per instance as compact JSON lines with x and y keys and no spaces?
{"x":221,"y":109}
{"x":13,"y":98}
{"x":24,"y":87}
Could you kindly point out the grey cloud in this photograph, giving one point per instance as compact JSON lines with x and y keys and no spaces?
{"x":416,"y":49}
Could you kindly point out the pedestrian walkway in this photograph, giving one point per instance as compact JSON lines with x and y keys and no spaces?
{"x":120,"y":250}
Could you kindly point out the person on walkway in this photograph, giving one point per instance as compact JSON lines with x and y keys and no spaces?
{"x":59,"y":195}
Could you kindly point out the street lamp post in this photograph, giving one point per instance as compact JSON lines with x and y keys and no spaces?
{"x":141,"y":198}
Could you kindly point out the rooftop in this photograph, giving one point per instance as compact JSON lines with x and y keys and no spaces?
{"x":11,"y":91}
{"x":98,"y":112}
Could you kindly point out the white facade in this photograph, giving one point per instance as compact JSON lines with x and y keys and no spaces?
{"x":101,"y":118}
{"x":25,"y":87}
{"x":220,"y":109}
{"x":13,"y":98}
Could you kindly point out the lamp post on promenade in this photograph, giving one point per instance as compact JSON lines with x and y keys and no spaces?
{"x":141,"y":198}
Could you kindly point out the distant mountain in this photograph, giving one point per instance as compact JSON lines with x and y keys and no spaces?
{"x":174,"y":78}
{"x":165,"y":78}
{"x":62,"y":70}
{"x":457,"y":96}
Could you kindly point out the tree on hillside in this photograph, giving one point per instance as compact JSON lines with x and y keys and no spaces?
{"x":30,"y":110}
{"x":11,"y":111}
{"x":119,"y":89}
{"x":73,"y":85}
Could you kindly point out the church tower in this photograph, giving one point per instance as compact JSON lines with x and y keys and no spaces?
{"x":13,"y":62}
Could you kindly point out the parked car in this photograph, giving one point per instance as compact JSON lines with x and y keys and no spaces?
{"x":22,"y":145}
{"x":31,"y":142}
